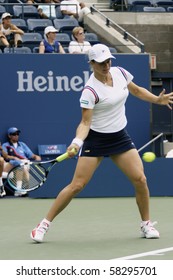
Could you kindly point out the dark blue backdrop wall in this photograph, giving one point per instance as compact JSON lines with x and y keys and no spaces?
{"x":40,"y":95}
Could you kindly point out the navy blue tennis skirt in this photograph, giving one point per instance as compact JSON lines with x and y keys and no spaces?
{"x":99,"y":144}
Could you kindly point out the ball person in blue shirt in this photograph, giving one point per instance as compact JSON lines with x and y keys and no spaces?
{"x":17,"y":152}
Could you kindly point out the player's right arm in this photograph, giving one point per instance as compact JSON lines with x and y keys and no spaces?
{"x":82,"y":130}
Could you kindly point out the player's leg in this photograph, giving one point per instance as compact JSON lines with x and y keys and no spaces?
{"x":85,"y":168}
{"x":131,"y":165}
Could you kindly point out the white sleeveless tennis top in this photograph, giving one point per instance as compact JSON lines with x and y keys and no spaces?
{"x":108,"y":103}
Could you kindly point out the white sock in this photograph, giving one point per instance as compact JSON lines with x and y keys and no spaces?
{"x":145,"y":222}
{"x":46,"y":221}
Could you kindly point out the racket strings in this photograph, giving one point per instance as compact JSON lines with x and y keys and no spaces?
{"x":27,"y":177}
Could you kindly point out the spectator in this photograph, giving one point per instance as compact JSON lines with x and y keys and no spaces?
{"x":10,"y":34}
{"x":82,"y":13}
{"x":70,"y":8}
{"x":47,"y":11}
{"x":79,"y":45}
{"x":75,"y":9}
{"x":30,"y":2}
{"x":17,"y":152}
{"x":50,"y":44}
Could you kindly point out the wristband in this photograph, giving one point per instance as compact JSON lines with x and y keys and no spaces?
{"x":78,"y":142}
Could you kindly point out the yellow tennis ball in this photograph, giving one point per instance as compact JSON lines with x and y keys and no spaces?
{"x":149,"y":157}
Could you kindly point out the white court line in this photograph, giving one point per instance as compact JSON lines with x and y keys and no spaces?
{"x":150,"y":253}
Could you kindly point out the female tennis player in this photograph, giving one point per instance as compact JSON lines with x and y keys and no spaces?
{"x":102,"y":132}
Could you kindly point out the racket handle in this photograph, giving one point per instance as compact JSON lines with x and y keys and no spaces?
{"x":64,"y":156}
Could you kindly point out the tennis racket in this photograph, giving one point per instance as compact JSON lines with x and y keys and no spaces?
{"x":29,"y":176}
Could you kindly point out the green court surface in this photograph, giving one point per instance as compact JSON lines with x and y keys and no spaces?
{"x":89,"y":228}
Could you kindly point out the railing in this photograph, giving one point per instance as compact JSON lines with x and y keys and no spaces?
{"x":126,"y":35}
{"x":161,"y":136}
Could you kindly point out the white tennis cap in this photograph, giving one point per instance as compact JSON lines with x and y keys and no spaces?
{"x":99,"y":53}
{"x":4,"y":15}
{"x":50,"y":29}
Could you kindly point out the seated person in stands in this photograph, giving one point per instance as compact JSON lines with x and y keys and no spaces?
{"x":79,"y":45}
{"x":30,"y":2}
{"x":74,"y":9}
{"x":10,"y":34}
{"x":70,"y":8}
{"x":47,"y":11}
{"x":17,"y":152}
{"x":82,"y":13}
{"x":49,"y":43}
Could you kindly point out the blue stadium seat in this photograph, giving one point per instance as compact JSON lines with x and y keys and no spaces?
{"x":137,"y":6}
{"x":35,"y":50}
{"x":32,"y":39}
{"x":154,"y":9}
{"x":21,"y":11}
{"x":92,"y":38}
{"x":20,"y":23}
{"x":63,"y":38}
{"x":164,"y":4}
{"x":170,"y":9}
{"x":66,"y":49}
{"x":38,"y":25}
{"x":65,"y":25}
{"x":2,"y":10}
{"x":113,"y":50}
{"x":23,"y":50}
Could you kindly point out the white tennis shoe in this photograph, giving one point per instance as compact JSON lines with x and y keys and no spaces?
{"x":2,"y":191}
{"x":148,"y":230}
{"x":37,"y":234}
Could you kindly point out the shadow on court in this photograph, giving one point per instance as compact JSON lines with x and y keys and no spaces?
{"x":89,"y":228}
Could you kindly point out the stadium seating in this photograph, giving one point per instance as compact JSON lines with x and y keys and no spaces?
{"x":20,"y":23}
{"x":63,"y":38}
{"x":32,"y":39}
{"x":38,"y":25}
{"x":92,"y":38}
{"x":65,"y":25}
{"x":170,"y":9}
{"x":164,"y":4}
{"x":25,"y":11}
{"x":137,"y":6}
{"x":2,"y":10}
{"x":23,"y":50}
{"x":112,"y":50}
{"x":35,"y":50}
{"x":154,"y":9}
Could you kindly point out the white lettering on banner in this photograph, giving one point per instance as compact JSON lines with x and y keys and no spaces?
{"x":27,"y":82}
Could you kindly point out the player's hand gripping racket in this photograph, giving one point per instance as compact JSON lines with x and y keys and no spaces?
{"x":29,"y":176}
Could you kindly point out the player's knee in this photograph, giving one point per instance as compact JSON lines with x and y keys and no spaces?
{"x":140,"y":180}
{"x":77,"y":187}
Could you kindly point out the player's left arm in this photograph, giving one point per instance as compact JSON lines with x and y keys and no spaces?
{"x":144,"y":94}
